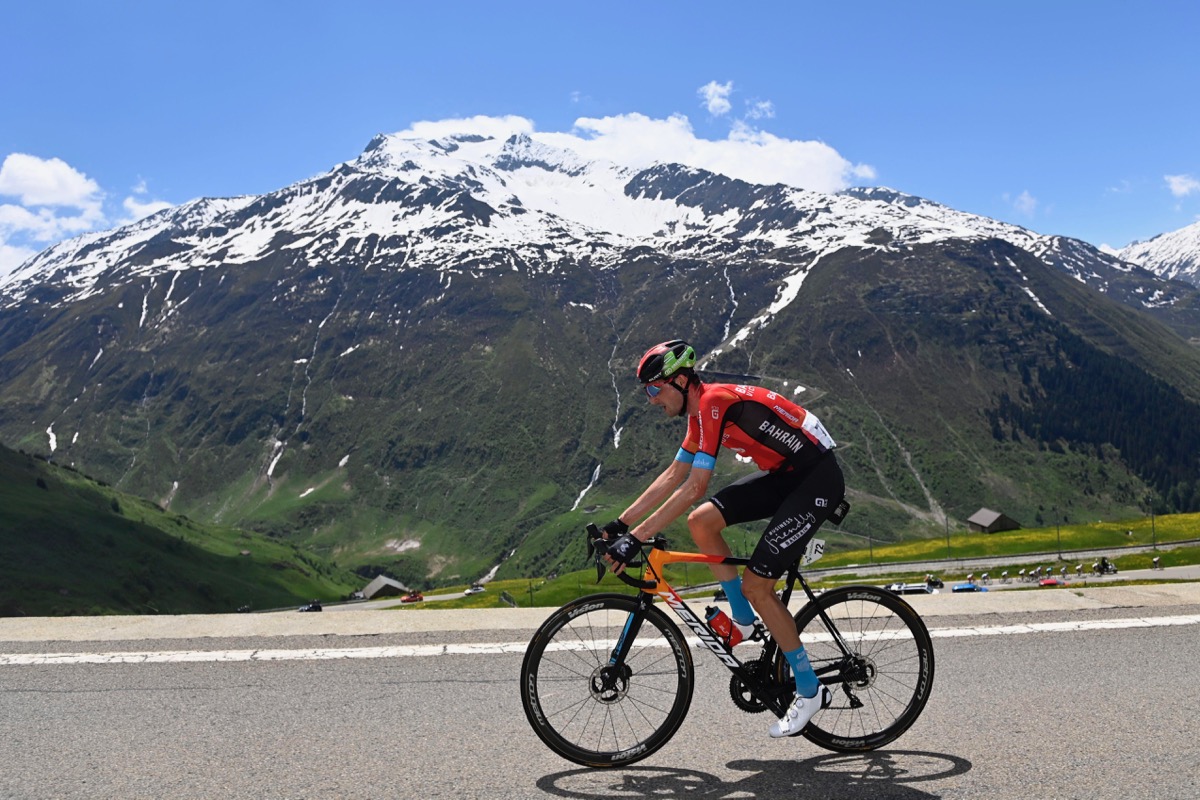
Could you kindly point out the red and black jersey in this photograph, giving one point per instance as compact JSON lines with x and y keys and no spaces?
{"x":756,"y":423}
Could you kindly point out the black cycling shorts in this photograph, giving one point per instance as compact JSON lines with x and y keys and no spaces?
{"x":797,"y":502}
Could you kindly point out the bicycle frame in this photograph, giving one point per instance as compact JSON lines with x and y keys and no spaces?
{"x":656,"y":558}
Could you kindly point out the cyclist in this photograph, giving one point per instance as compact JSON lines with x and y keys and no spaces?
{"x":798,"y":486}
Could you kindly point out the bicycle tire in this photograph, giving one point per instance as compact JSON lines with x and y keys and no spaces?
{"x":883,"y":698}
{"x":562,"y":698}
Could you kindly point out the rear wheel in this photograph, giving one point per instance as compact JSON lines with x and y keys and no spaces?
{"x":596,"y":713}
{"x":879,"y":688}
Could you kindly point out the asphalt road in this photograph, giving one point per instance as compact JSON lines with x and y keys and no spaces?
{"x":1084,"y":693}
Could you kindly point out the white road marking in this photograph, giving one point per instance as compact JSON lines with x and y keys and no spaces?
{"x":504,"y":648}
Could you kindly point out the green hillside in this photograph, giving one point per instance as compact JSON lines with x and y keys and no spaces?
{"x":70,"y":545}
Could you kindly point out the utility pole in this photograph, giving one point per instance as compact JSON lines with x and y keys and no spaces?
{"x":1150,"y":509}
{"x":946,"y":519}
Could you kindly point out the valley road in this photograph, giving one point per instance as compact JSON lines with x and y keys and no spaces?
{"x":1050,"y":693}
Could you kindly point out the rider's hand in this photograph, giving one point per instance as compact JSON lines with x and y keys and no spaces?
{"x":622,"y":551}
{"x":615,"y":529}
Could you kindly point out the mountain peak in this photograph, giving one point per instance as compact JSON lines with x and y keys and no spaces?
{"x":521,"y":150}
{"x":1171,"y":255}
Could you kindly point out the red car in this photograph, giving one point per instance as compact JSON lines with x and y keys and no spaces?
{"x":1051,"y":582}
{"x":412,"y":597}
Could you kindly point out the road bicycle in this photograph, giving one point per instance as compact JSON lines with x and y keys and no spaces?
{"x":607,"y":679}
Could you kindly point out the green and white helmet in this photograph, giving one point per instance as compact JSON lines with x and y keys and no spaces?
{"x":665,"y":360}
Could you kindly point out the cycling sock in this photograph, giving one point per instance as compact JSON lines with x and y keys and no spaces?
{"x":739,"y":606}
{"x":806,"y":680}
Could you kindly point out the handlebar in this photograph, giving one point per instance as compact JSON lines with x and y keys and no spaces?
{"x":598,"y":546}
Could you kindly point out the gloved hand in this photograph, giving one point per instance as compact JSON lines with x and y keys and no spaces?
{"x":615,"y":529}
{"x":624,"y":550}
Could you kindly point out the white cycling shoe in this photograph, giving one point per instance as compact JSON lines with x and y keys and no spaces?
{"x":799,"y":713}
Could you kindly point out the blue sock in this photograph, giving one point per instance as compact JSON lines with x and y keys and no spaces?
{"x":739,"y":606}
{"x":806,"y":680}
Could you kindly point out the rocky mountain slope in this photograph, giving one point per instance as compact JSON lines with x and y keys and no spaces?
{"x":422,"y":359}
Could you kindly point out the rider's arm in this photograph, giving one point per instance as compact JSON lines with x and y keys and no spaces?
{"x":659,"y":490}
{"x":677,"y":504}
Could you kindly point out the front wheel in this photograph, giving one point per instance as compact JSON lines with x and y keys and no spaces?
{"x":882,"y":684}
{"x":592,"y":711}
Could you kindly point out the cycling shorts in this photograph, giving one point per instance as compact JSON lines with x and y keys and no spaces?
{"x":796,"y":501}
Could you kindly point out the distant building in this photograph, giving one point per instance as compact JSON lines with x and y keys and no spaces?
{"x":987,"y":521}
{"x":384,"y":586}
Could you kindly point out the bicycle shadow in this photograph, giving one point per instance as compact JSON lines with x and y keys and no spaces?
{"x":888,"y":775}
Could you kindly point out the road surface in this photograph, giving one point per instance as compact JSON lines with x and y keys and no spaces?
{"x":1086,"y":693}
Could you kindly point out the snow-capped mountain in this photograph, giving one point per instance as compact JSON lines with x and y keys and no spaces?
{"x":420,"y":361}
{"x":1171,"y":255}
{"x":521,"y":202}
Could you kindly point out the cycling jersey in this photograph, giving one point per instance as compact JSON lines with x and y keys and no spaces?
{"x":756,"y":423}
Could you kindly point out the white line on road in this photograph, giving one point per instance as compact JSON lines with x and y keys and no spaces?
{"x":502,"y":648}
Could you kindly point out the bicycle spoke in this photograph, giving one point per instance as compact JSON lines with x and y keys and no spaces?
{"x":881,"y":684}
{"x":592,"y":710}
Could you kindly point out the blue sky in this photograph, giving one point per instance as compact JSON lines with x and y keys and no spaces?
{"x":1073,"y":118}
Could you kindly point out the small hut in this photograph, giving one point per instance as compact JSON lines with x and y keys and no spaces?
{"x":384,"y":586}
{"x":987,"y":521}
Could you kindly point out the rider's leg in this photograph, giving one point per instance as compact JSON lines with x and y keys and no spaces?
{"x":706,"y":524}
{"x":796,"y":519}
{"x":761,"y":593}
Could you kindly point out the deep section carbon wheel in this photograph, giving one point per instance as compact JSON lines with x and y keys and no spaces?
{"x":880,"y":687}
{"x":594,"y":712}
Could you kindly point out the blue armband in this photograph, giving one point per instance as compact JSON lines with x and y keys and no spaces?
{"x":704,"y":461}
{"x":684,"y":456}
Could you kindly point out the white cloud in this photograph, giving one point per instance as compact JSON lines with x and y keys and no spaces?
{"x":1025,"y":203}
{"x":1182,"y":185}
{"x":47,"y":182}
{"x":638,"y":141}
{"x":716,"y":97}
{"x":760,"y":109}
{"x":13,"y":257}
{"x":496,"y":127}
{"x":136,"y":209}
{"x":752,"y":155}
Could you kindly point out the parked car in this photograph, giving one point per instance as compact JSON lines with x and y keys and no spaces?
{"x":475,"y":589}
{"x":1051,"y":582}
{"x":315,"y":605}
{"x":968,"y":587}
{"x":911,"y":588}
{"x":412,"y":597}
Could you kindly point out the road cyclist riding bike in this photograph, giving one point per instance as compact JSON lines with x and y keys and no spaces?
{"x":607,"y":679}
{"x":798,"y":486}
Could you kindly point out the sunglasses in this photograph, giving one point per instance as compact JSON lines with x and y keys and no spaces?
{"x":652,"y":390}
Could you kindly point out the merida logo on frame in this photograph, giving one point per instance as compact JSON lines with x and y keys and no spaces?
{"x":700,"y":629}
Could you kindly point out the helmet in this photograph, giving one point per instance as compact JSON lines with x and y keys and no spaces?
{"x":665,"y":360}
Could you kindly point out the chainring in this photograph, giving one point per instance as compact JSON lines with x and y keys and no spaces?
{"x":741,"y":694}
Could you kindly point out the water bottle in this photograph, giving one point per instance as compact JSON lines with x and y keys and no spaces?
{"x":720,"y":624}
